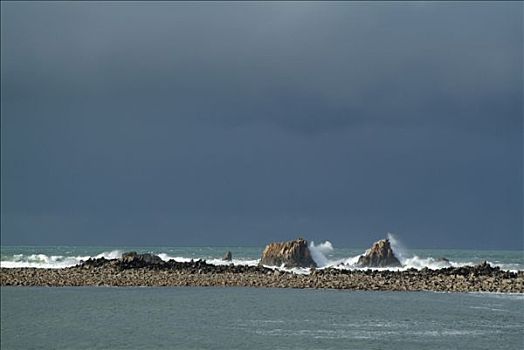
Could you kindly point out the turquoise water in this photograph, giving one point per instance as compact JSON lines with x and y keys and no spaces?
{"x":238,"y":318}
{"x":63,"y":256}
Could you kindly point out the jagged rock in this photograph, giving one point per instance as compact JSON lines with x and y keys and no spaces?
{"x":484,"y":268}
{"x":129,"y":256}
{"x":290,"y":254}
{"x":228,"y":256}
{"x":89,"y":263}
{"x":380,"y":255}
{"x":443,"y":261}
{"x":133,"y":259}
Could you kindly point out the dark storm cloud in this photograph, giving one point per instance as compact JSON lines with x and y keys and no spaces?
{"x":244,"y":122}
{"x":305,"y":66}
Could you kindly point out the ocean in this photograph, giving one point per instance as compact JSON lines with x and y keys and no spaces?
{"x":256,"y":318}
{"x":324,"y":254}
{"x":263,"y":318}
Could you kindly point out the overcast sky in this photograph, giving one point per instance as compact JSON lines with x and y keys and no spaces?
{"x":242,"y":123}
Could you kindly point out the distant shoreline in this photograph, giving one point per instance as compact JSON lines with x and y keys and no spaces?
{"x":103,"y":272}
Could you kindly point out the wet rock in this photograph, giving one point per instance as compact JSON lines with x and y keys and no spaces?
{"x":129,"y":256}
{"x":380,"y":255}
{"x":228,"y":256}
{"x":481,"y":277}
{"x":443,"y":261}
{"x":484,"y":269}
{"x":92,"y":263}
{"x":135,"y":260}
{"x":290,"y":254}
{"x":135,"y":269}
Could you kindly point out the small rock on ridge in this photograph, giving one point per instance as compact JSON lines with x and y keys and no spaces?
{"x":228,"y":256}
{"x":140,"y":260}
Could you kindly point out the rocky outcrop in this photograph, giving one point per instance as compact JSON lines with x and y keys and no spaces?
{"x":442,"y":261}
{"x":380,"y":255}
{"x":289,"y":254}
{"x":484,"y":269}
{"x":228,"y":256}
{"x":133,"y":259}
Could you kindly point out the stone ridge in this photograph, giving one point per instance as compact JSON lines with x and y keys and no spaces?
{"x":116,"y":272}
{"x":289,"y":254}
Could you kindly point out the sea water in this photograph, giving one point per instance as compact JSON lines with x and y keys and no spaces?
{"x":238,"y":318}
{"x":256,"y":318}
{"x":324,"y":254}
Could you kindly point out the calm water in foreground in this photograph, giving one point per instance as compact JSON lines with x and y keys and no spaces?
{"x":226,"y":318}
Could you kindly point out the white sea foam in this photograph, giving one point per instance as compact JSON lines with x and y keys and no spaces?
{"x":42,"y":261}
{"x":114,"y":254}
{"x":247,"y":262}
{"x":321,"y":253}
{"x":318,"y":253}
{"x":53,"y":261}
{"x":213,"y":261}
{"x":409,"y":261}
{"x":167,"y":257}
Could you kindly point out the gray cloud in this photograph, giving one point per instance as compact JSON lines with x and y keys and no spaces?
{"x":224,"y":122}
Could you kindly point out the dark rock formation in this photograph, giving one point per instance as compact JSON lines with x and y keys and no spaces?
{"x":380,"y":255}
{"x":290,"y":254}
{"x":133,"y":259}
{"x":228,"y":256}
{"x":90,"y":263}
{"x":484,"y":269}
{"x":443,"y":261}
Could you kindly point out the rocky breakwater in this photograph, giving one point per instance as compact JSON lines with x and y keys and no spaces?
{"x":379,"y":255}
{"x":146,"y":270}
{"x":288,"y":254}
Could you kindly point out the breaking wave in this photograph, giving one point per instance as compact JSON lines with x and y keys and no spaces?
{"x":52,"y":261}
{"x":318,"y":253}
{"x":324,"y":254}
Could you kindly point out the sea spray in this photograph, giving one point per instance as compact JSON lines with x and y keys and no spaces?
{"x":324,"y":254}
{"x":39,"y":260}
{"x":413,"y":261}
{"x":398,"y":248}
{"x":114,"y":254}
{"x":318,"y":253}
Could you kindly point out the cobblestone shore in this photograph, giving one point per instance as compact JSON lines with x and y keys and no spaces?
{"x":101,"y":272}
